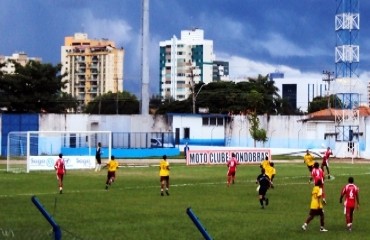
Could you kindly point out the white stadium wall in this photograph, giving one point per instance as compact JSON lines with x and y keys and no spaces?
{"x":283,"y":132}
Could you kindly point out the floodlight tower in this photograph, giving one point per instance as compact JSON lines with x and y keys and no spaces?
{"x":145,"y":59}
{"x":347,"y":58}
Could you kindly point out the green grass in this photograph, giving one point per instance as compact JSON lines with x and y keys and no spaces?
{"x":134,"y":209}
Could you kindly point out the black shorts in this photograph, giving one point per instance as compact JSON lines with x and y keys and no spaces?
{"x":111,"y":175}
{"x":164,"y":178}
{"x":316,"y":212}
{"x":262,"y":191}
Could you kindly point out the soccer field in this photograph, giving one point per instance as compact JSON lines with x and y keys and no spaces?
{"x":133,"y":208}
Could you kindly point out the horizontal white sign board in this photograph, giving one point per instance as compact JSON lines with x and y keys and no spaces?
{"x":221,"y":156}
{"x":72,"y":162}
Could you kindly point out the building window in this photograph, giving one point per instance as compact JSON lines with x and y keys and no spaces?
{"x":220,"y":121}
{"x":205,"y":121}
{"x":212,"y":121}
{"x":311,"y":127}
{"x":186,"y":133}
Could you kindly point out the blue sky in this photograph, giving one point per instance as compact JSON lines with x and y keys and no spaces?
{"x":296,"y":37}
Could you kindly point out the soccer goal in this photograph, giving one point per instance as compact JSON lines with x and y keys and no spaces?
{"x":38,"y":150}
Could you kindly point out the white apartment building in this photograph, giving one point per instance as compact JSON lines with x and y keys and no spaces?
{"x":93,"y":67}
{"x":20,"y":58}
{"x":185,"y":62}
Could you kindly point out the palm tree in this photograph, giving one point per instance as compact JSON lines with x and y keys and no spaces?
{"x":269,"y":93}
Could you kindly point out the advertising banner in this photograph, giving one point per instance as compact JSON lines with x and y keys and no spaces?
{"x":72,"y":162}
{"x":221,"y":156}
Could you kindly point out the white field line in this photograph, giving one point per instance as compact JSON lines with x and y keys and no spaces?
{"x":172,"y":185}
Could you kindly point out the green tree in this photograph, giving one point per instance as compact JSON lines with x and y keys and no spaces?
{"x":269,"y":92}
{"x":258,"y":134}
{"x":35,"y":87}
{"x":258,"y":95}
{"x":114,"y":103}
{"x":320,"y":103}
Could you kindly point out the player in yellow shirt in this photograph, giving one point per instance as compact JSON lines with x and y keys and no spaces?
{"x":309,"y":160}
{"x":270,"y":172}
{"x":316,"y":207}
{"x":265,"y":163}
{"x":112,"y":166}
{"x":164,"y":175}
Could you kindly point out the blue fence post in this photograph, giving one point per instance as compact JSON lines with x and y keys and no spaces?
{"x":197,"y":223}
{"x":49,"y":218}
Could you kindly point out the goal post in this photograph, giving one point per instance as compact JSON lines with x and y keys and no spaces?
{"x":38,"y":150}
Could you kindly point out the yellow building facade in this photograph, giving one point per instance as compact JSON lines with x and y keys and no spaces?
{"x":92,"y":67}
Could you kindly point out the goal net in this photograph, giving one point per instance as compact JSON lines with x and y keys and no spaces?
{"x":38,"y":150}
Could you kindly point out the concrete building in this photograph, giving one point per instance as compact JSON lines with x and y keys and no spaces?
{"x":298,"y":92}
{"x":220,"y":71}
{"x":20,"y":58}
{"x":185,"y":62}
{"x":93,"y":67}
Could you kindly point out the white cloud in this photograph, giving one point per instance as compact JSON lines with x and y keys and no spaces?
{"x":279,"y":46}
{"x":241,"y":68}
{"x":117,"y":30}
{"x":244,"y":67}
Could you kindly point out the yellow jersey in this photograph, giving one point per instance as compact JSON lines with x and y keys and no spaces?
{"x":112,"y":165}
{"x":270,"y":171}
{"x":164,"y":168}
{"x":316,"y":194}
{"x":309,"y":160}
{"x":265,"y":163}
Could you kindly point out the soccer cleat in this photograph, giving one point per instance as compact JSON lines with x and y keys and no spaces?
{"x":324,"y":201}
{"x":328,"y":176}
{"x":168,"y":194}
{"x":267,"y":201}
{"x":323,"y":229}
{"x":349,"y":227}
{"x":106,"y":187}
{"x":304,"y":227}
{"x":162,"y":194}
{"x":60,"y":191}
{"x":262,"y":207}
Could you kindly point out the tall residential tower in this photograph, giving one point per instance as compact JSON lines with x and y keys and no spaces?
{"x":185,"y":62}
{"x":93,"y":67}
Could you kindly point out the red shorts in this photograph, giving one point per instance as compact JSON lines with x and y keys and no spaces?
{"x":60,"y":176}
{"x":324,"y":163}
{"x":231,"y":173}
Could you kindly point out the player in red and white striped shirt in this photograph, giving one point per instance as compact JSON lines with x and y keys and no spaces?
{"x":351,"y":193}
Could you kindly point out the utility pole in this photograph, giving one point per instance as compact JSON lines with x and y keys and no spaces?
{"x":194,"y":95}
{"x":116,"y":78}
{"x":328,"y":77}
